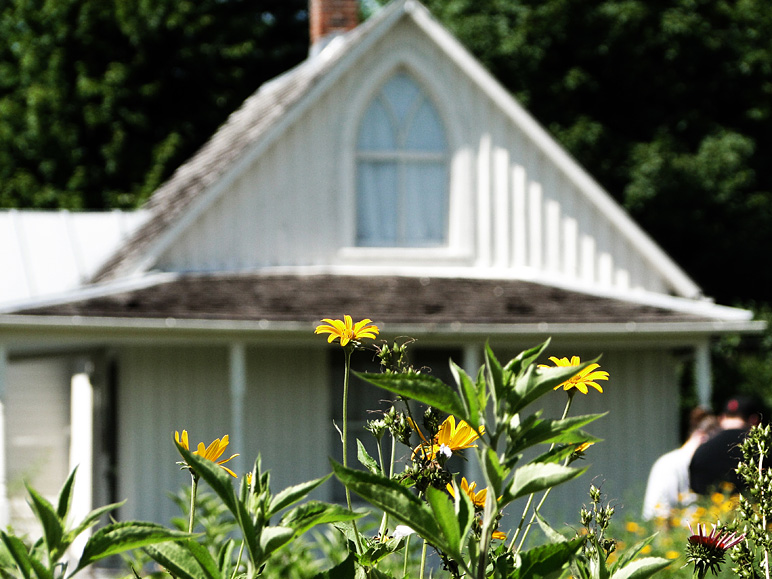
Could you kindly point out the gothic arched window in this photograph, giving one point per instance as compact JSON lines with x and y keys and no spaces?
{"x":402,"y":170}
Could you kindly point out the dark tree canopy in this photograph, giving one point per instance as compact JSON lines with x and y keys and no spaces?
{"x":100,"y":100}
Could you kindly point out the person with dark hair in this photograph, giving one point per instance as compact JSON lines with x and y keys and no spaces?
{"x":668,"y":484}
{"x":716,"y":460}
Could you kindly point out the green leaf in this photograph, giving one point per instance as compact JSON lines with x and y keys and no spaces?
{"x":121,"y":537}
{"x":179,"y":560}
{"x":545,"y":560}
{"x":631,"y":553}
{"x":40,"y":569}
{"x":273,"y":538}
{"x":18,"y":552}
{"x":494,"y":375}
{"x":65,"y":496}
{"x":398,"y":501}
{"x":222,"y":484}
{"x":420,"y":387}
{"x":225,"y":558}
{"x":494,"y":472}
{"x":204,"y":558}
{"x":52,"y":525}
{"x":91,"y":519}
{"x":472,"y":398}
{"x":535,"y":477}
{"x":343,"y":570}
{"x":445,"y":515}
{"x":464,"y":510}
{"x":642,"y":568}
{"x":366,"y":460}
{"x":524,"y":359}
{"x":532,"y":432}
{"x":552,"y":535}
{"x":312,"y":513}
{"x":293,"y":494}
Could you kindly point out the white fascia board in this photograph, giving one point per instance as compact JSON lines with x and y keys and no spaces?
{"x":681,"y":282}
{"x":337,"y":48}
{"x":256,"y":327}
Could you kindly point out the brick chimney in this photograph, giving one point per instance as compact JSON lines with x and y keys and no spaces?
{"x":330,"y":17}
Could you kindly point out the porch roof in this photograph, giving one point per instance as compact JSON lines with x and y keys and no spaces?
{"x":385,"y":299}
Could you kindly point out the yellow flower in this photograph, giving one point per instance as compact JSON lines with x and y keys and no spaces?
{"x":631,"y":526}
{"x":478,"y":498}
{"x":499,"y":535}
{"x":346,"y":330}
{"x":211,"y":452}
{"x":450,"y":438}
{"x":583,"y":378}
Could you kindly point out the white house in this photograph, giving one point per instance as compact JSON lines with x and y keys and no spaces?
{"x":388,"y":176}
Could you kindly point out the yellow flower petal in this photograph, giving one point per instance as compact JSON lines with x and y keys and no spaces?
{"x":346,"y":331}
{"x":582,"y":379}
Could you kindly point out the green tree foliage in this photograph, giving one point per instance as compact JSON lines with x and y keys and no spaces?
{"x":665,"y":102}
{"x":100,"y":100}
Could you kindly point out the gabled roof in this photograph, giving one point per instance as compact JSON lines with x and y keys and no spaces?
{"x":276,"y":105}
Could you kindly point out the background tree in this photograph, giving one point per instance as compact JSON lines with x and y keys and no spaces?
{"x":100,"y":100}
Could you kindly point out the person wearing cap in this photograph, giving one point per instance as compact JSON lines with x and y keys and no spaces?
{"x":716,"y":460}
{"x":667,"y":487}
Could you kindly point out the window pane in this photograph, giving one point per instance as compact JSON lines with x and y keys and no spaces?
{"x":377,"y":204}
{"x":425,"y":194}
{"x":425,"y":132}
{"x":376,"y":132}
{"x":401,"y":92}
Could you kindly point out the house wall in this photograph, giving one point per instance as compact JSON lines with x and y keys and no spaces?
{"x":512,"y":211}
{"x":37,"y":422}
{"x":166,"y":389}
{"x":287,"y":420}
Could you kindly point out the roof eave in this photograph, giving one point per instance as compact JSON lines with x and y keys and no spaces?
{"x":706,"y":327}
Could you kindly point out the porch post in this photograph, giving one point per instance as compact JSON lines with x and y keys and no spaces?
{"x":703,"y":380}
{"x":470,"y":362}
{"x":4,"y":505}
{"x":238,"y":388}
{"x":82,"y":443}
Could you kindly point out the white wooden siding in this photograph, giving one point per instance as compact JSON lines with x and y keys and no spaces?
{"x":37,"y":414}
{"x":295,"y":205}
{"x":167,"y":389}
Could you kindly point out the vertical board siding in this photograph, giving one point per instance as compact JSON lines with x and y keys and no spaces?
{"x":176,"y":388}
{"x":286,"y":416}
{"x":37,"y":422}
{"x":162,"y":390}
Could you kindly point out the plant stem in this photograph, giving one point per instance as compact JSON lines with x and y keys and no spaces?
{"x":347,"y":352}
{"x":193,"y":491}
{"x":423,"y":560}
{"x":238,"y":561}
{"x":407,"y":555}
{"x":531,"y":497}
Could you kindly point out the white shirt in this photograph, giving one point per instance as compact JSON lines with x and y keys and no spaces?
{"x":668,"y":484}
